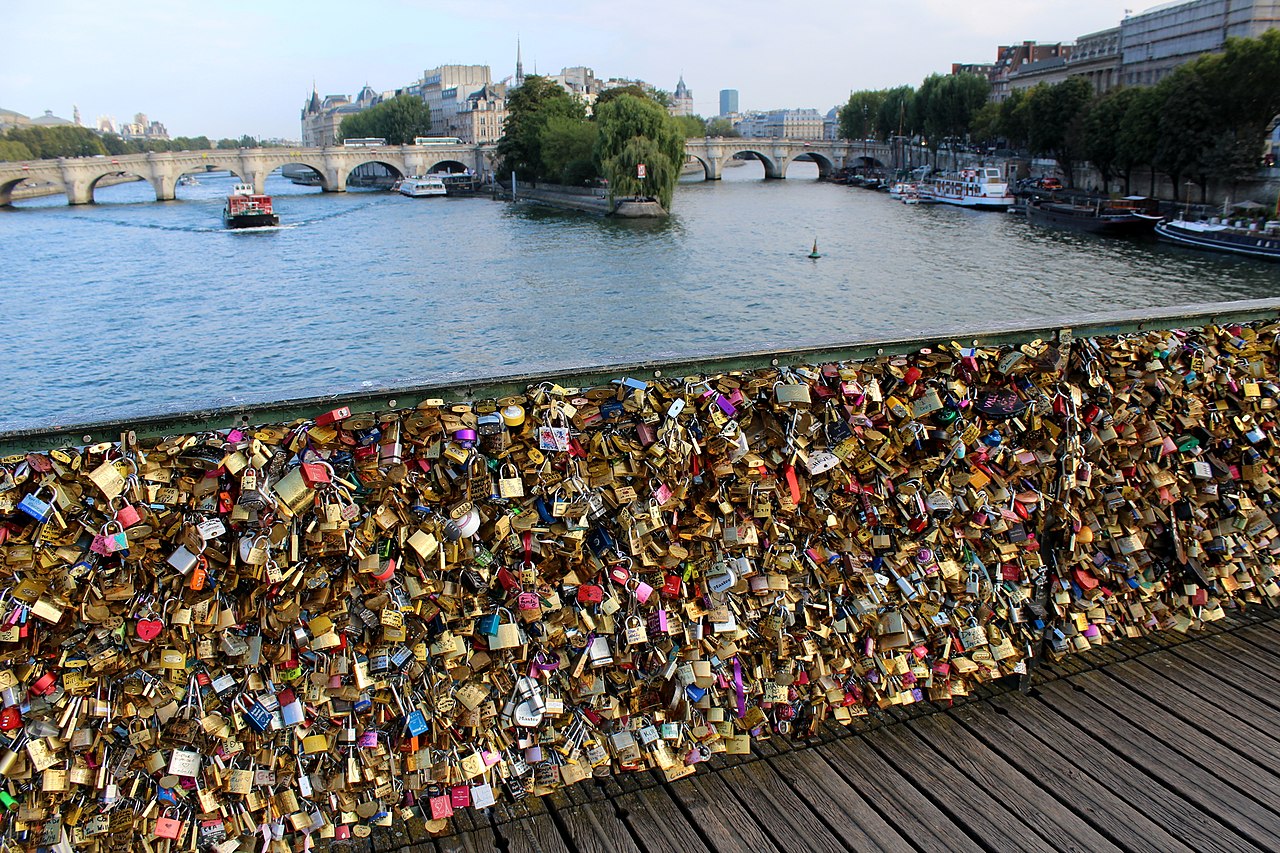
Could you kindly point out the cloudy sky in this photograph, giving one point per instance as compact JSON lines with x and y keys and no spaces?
{"x":227,"y":67}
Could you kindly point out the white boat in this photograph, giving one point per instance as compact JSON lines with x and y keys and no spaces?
{"x":980,"y":188}
{"x":188,"y":181}
{"x":422,"y":186}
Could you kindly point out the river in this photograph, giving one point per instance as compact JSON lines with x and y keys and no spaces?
{"x":128,"y":307}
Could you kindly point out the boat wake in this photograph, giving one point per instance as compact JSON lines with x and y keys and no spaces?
{"x":219,"y":228}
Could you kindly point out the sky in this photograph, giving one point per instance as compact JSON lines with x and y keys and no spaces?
{"x":229,"y":67}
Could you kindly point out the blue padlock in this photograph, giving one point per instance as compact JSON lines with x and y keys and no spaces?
{"x":488,"y":624}
{"x":416,"y":723}
{"x":255,"y":714}
{"x":36,"y":508}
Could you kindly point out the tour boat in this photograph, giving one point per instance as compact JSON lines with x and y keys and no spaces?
{"x":245,"y":209}
{"x":980,"y":188}
{"x":1132,"y":215}
{"x":422,"y":187}
{"x":1218,"y":236}
{"x":188,"y":181}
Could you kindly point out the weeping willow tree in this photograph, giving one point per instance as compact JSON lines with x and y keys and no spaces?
{"x":660,"y":173}
{"x":633,"y":131}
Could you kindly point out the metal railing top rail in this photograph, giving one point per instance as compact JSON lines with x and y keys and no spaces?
{"x":453,"y":389}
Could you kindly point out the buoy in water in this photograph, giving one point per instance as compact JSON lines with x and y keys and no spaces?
{"x":814,"y":254}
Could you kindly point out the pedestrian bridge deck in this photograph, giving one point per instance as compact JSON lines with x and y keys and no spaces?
{"x":1165,"y":743}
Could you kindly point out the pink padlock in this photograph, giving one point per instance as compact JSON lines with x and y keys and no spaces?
{"x":528,"y":601}
{"x":641,"y":590}
{"x":128,"y":514}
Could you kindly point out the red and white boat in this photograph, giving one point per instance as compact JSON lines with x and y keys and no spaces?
{"x":981,"y":188}
{"x":245,"y":209}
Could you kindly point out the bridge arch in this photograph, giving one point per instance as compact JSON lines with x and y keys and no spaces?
{"x":88,"y":186}
{"x":707,"y":170}
{"x":448,"y":165}
{"x":772,"y":169}
{"x":825,"y":164}
{"x":7,"y":188}
{"x":317,"y":166}
{"x":397,"y":168}
{"x":866,"y":161}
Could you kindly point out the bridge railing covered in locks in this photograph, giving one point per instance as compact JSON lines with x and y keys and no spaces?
{"x":308,"y":625}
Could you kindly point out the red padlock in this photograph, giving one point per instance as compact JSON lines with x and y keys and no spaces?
{"x":10,"y":719}
{"x":672,"y":586}
{"x":590,"y":593}
{"x":333,"y":417}
{"x":315,"y":473}
{"x":43,"y":685}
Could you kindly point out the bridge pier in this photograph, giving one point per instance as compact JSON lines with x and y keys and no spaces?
{"x":335,"y":180}
{"x":79,"y":191}
{"x":165,"y":187}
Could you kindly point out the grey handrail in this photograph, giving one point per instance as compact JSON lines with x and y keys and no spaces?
{"x":454,"y":388}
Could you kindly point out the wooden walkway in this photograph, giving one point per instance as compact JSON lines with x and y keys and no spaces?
{"x":1160,"y":744}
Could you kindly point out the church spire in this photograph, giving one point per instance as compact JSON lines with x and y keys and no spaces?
{"x":519,"y":65}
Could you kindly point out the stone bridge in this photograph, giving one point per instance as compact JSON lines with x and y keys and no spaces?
{"x":80,"y":175}
{"x":777,"y":154}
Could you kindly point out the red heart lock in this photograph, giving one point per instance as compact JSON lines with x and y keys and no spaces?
{"x":148,"y":629}
{"x":10,"y":719}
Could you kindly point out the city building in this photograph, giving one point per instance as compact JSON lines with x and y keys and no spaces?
{"x":1049,"y":71}
{"x":782,"y":124}
{"x":481,"y":118}
{"x":1155,"y":42}
{"x":51,"y":120}
{"x":445,"y":90}
{"x":831,"y":124}
{"x":981,"y":69}
{"x":728,"y":102}
{"x":1009,"y":61}
{"x":681,"y":100}
{"x":322,"y":119}
{"x":578,"y":81}
{"x":106,"y":124}
{"x":1096,"y":57}
{"x":142,"y":130}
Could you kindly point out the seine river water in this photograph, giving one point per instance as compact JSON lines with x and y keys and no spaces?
{"x":128,"y":307}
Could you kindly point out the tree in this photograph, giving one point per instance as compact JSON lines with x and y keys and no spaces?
{"x":1186,"y":127}
{"x":661,"y":173}
{"x":568,"y":150}
{"x":1015,"y":119}
{"x":528,"y":110}
{"x":986,"y":122}
{"x":721,"y":127}
{"x":894,"y":118}
{"x":1100,"y":142}
{"x":692,"y":126}
{"x":632,"y":128}
{"x":1055,"y":114}
{"x":1139,"y":134}
{"x":11,"y":150}
{"x":49,"y":142}
{"x":228,"y":144}
{"x":398,"y":121}
{"x":859,"y":115}
{"x":633,"y":89}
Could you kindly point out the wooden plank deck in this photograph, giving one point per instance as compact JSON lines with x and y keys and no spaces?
{"x":1166,"y":743}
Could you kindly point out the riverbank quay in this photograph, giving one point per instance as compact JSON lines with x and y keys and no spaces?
{"x":587,"y":200}
{"x":637,"y":566}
